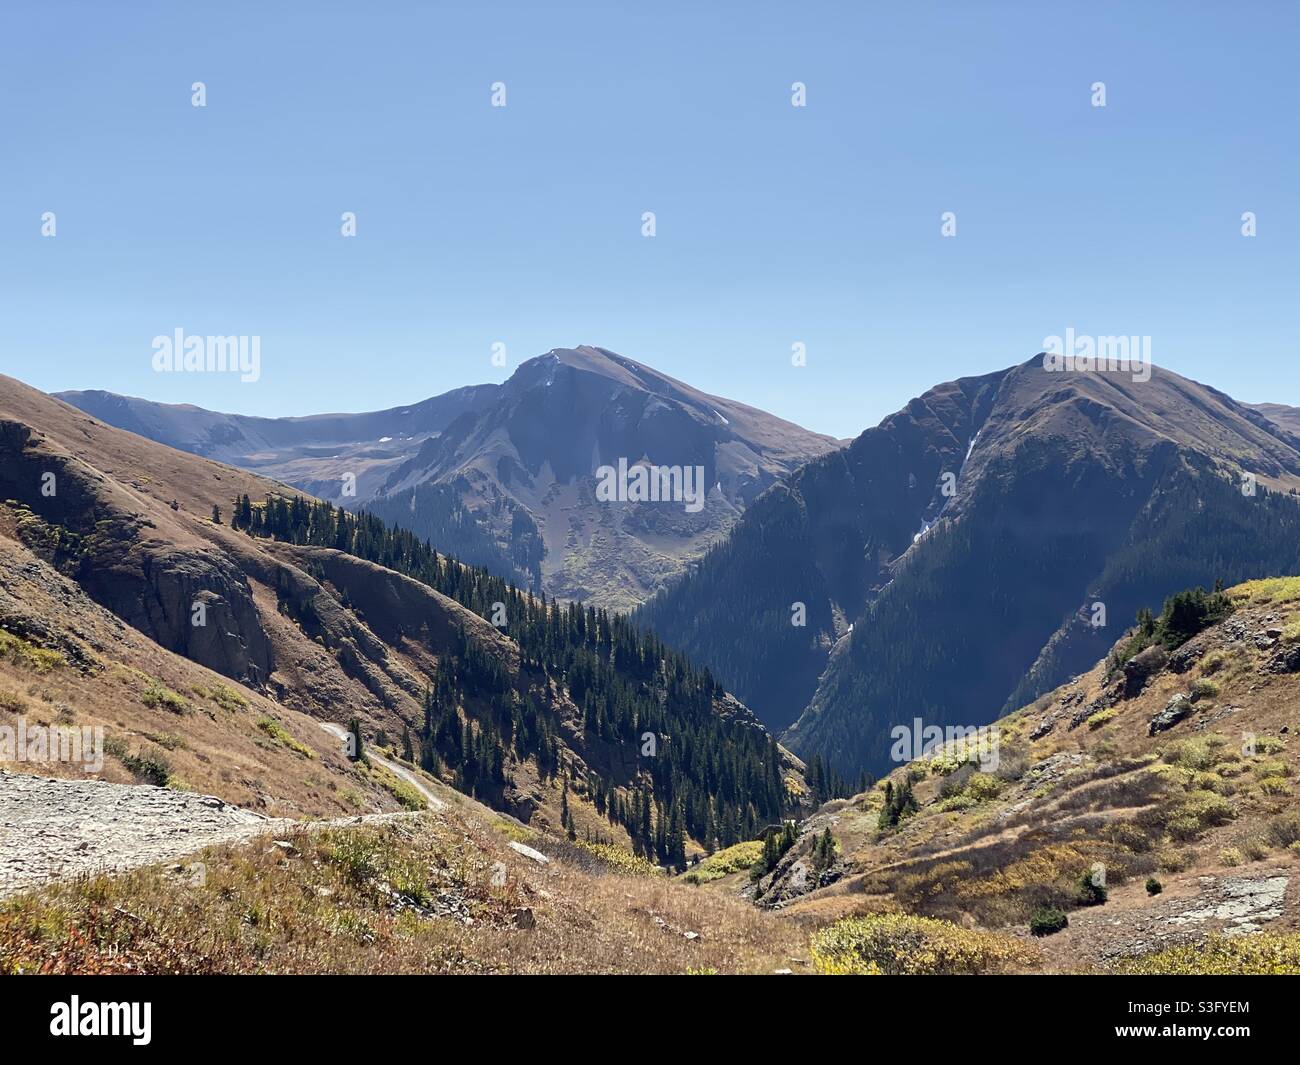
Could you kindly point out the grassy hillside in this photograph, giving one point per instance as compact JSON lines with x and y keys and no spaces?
{"x":1150,"y":802}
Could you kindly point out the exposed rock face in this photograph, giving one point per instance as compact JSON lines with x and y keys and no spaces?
{"x":194,"y":603}
{"x":185,"y":595}
{"x":1228,"y":905}
{"x":1178,"y":707}
{"x":1142,"y":667}
{"x":1286,"y":659}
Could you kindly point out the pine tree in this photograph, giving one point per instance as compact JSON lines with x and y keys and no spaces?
{"x":566,"y":818}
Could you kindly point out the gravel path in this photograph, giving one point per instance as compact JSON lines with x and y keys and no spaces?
{"x":52,"y":829}
{"x":435,"y":803}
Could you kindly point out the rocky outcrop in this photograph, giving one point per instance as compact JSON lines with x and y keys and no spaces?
{"x":197,"y":604}
{"x":1178,"y":707}
{"x":1142,"y":667}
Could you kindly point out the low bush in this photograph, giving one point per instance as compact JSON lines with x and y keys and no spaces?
{"x":1047,"y":921}
{"x":902,"y":945}
{"x":156,"y":696}
{"x":1260,"y":954}
{"x":724,"y":862}
{"x":1092,"y":892}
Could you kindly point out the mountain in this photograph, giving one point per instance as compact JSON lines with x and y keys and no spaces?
{"x":315,"y":454}
{"x":949,"y":562}
{"x":505,"y":476}
{"x":1280,"y":414}
{"x":145,"y":592}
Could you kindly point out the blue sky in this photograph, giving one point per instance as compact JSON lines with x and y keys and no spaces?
{"x":522,"y":224}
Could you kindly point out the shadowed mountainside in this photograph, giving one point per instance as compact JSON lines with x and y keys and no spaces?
{"x":948,"y":561}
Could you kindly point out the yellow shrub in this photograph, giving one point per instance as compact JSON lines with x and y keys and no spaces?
{"x":621,"y":859}
{"x":39,"y":659}
{"x":1268,"y":590}
{"x":1045,"y":866}
{"x":1261,"y":954}
{"x":724,"y":862}
{"x":1274,"y":768}
{"x":901,"y":945}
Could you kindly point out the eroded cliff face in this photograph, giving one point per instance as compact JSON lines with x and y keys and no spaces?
{"x":184,"y":594}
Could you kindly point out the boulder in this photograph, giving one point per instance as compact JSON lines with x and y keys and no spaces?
{"x":1142,"y":667}
{"x":1175,"y":710}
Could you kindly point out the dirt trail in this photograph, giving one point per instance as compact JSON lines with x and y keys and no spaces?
{"x":55,"y":829}
{"x":395,"y":768}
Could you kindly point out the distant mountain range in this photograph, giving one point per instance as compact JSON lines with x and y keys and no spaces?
{"x":978,"y":548}
{"x":971,"y":552}
{"x":504,"y":475}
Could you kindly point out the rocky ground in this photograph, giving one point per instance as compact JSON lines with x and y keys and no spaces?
{"x":52,"y":829}
{"x":57,"y":829}
{"x":1194,"y":907}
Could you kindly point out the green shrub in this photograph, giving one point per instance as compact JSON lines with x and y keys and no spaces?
{"x":149,"y":767}
{"x":1047,"y":921}
{"x":1154,"y":887}
{"x":1091,"y":893}
{"x":156,"y":695}
{"x":1184,"y":615}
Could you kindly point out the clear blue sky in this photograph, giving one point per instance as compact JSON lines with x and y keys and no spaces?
{"x":522,"y":224}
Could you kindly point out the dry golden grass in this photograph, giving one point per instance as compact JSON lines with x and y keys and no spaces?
{"x":344,"y":900}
